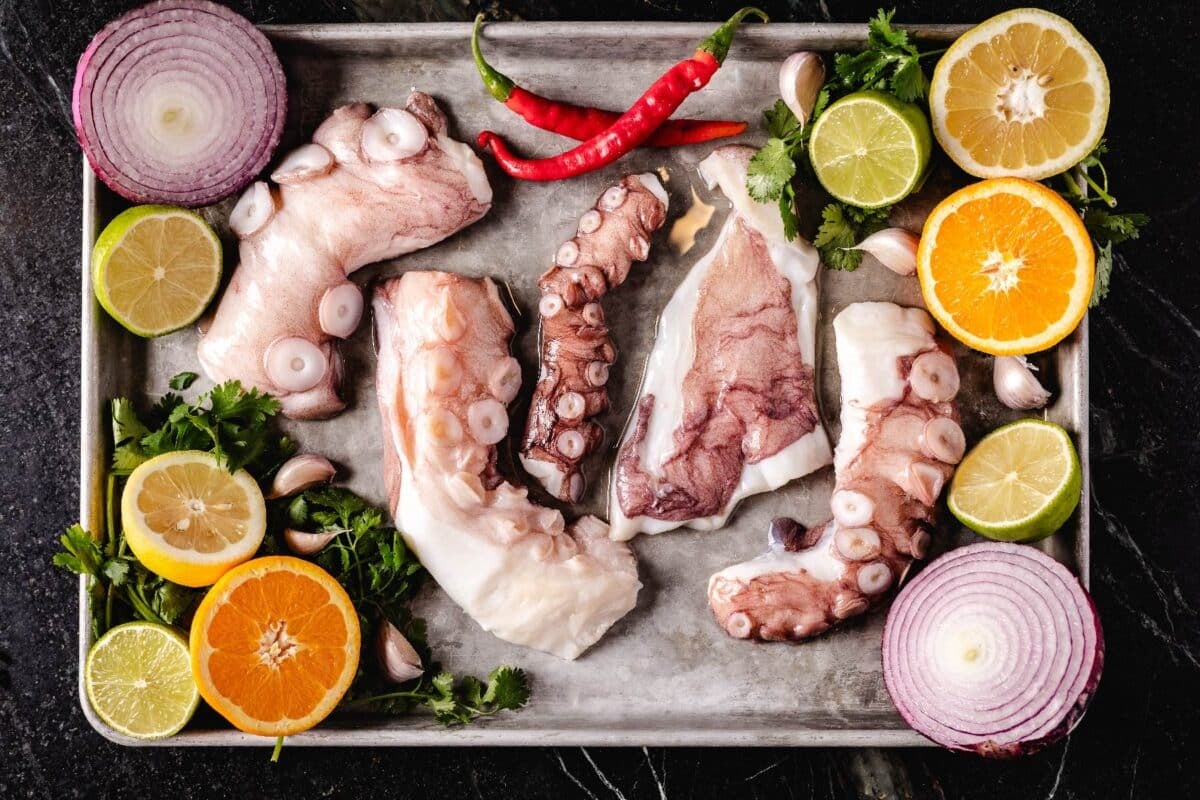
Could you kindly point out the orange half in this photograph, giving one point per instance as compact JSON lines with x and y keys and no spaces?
{"x":1006,"y":266}
{"x":275,"y":645}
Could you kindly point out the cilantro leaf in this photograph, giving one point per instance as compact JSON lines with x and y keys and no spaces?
{"x":770,"y":169}
{"x":1104,"y":268}
{"x":183,"y":380}
{"x":909,"y":82}
{"x":779,"y":120}
{"x":1107,"y":228}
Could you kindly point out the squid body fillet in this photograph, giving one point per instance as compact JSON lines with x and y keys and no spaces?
{"x":727,"y":406}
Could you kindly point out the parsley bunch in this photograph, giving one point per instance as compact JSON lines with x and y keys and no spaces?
{"x":235,"y":424}
{"x":890,"y":63}
{"x":1094,"y":201}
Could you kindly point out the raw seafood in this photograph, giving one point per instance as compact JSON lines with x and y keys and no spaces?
{"x":900,"y":442}
{"x":444,"y":380}
{"x":576,"y":351}
{"x":369,"y":187}
{"x":727,"y":406}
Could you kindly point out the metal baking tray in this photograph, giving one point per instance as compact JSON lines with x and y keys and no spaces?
{"x":665,"y":674}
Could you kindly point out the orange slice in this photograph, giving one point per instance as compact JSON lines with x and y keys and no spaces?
{"x":1006,"y":266}
{"x":1022,"y":94}
{"x":274,"y":645}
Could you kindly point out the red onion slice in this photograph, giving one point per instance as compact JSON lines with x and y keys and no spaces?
{"x":180,"y":102}
{"x":994,"y":648}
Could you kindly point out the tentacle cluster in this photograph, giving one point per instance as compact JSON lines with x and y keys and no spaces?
{"x":576,"y":349}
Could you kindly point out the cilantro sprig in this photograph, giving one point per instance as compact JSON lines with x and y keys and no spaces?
{"x":890,"y":63}
{"x":1086,"y":187}
{"x":234,"y":423}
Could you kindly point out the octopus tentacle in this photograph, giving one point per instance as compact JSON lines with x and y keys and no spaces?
{"x":370,"y":186}
{"x":576,"y":350}
{"x":900,"y":442}
{"x":517,"y":568}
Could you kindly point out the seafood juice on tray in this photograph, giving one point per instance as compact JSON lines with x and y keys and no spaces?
{"x":232,"y":567}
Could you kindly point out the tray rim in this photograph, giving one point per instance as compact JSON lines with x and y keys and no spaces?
{"x":93,"y":450}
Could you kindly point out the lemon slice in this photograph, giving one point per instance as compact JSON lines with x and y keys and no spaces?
{"x":156,"y":268}
{"x":869,"y":149}
{"x":1019,"y":484}
{"x":1022,"y":94}
{"x":138,"y":679}
{"x":189,"y":519}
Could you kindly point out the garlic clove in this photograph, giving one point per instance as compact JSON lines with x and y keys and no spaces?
{"x":253,"y":210}
{"x":397,"y":657}
{"x":1015,"y":384}
{"x":303,"y":543}
{"x":299,"y":473}
{"x":800,"y":79}
{"x":895,"y":248}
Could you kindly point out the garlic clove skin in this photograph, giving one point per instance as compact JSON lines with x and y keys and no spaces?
{"x":303,"y":543}
{"x":299,"y":473}
{"x":1015,"y":384}
{"x":397,"y":657}
{"x":895,"y":248}
{"x":800,"y":79}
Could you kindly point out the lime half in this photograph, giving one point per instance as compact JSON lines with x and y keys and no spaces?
{"x":139,"y":680}
{"x":1019,"y":484}
{"x":156,"y":268}
{"x":869,"y":149}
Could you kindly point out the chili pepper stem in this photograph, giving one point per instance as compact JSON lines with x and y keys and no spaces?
{"x":498,"y":84}
{"x":717,"y":45}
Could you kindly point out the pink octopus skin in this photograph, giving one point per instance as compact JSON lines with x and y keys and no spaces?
{"x":357,"y":203}
{"x":576,"y":349}
{"x":900,"y":443}
{"x":444,"y":379}
{"x":728,"y":405}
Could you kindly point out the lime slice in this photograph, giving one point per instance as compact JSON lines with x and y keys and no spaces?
{"x":1019,"y":484}
{"x":139,"y":680}
{"x":869,"y":149}
{"x":156,"y":268}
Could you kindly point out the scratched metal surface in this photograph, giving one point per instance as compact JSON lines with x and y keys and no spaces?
{"x":665,"y":674}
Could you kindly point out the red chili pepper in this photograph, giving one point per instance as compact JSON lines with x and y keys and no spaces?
{"x":637,"y":124}
{"x":584,"y":122}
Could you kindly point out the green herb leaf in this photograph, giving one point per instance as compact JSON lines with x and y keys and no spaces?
{"x":842,"y":228}
{"x":770,"y":169}
{"x":183,"y":381}
{"x":1104,"y":268}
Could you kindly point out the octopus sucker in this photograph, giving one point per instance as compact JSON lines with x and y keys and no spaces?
{"x":900,"y":442}
{"x":372,"y":185}
{"x":727,"y":406}
{"x":576,"y":350}
{"x":517,"y":568}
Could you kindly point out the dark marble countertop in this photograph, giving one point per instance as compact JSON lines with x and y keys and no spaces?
{"x":1140,"y":737}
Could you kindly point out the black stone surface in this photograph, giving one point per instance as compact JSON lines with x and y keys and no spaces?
{"x":1138,"y":740}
